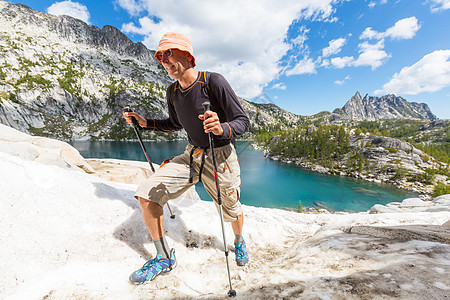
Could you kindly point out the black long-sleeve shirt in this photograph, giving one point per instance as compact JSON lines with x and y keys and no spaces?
{"x":186,"y":104}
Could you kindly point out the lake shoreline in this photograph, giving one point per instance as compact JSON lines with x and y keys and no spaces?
{"x":422,"y":191}
{"x":386,"y":160}
{"x":295,"y":183}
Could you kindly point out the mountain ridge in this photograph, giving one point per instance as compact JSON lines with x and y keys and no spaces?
{"x":74,"y":29}
{"x":389,"y":106}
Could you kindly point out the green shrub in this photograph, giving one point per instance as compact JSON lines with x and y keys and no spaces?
{"x":300,"y":208}
{"x":13,"y":98}
{"x":441,"y":189}
{"x":392,"y":150}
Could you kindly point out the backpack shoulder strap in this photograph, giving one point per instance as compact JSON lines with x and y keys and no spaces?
{"x":206,"y":77}
{"x":170,"y":91}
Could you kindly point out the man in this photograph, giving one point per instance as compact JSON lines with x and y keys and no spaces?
{"x":226,"y":120}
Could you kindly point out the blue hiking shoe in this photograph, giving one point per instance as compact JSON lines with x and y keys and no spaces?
{"x":153,"y":268}
{"x":241,"y":254}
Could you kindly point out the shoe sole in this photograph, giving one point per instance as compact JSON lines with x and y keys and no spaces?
{"x":241,"y":264}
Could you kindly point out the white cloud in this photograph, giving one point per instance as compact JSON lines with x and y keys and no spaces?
{"x":371,"y":55}
{"x":430,"y":74}
{"x":342,"y":62}
{"x":279,"y":86}
{"x":69,"y":8}
{"x":341,"y":82}
{"x":369,"y":33}
{"x":300,"y":41}
{"x":244,"y":44}
{"x":305,"y":66}
{"x":325,"y":63}
{"x":131,"y":6}
{"x":372,"y":4}
{"x":402,"y":29}
{"x":334,"y":47}
{"x":440,"y":5}
{"x":145,"y":26}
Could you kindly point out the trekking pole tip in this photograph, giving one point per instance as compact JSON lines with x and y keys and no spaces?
{"x":231,"y":293}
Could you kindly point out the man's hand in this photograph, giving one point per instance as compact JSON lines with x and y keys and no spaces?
{"x":128,"y":117}
{"x":211,"y":123}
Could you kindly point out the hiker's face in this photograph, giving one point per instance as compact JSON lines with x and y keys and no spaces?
{"x":177,"y":63}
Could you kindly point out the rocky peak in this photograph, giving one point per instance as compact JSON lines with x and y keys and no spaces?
{"x":386,"y":107}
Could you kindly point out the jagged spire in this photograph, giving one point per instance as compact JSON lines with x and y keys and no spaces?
{"x":385,"y":107}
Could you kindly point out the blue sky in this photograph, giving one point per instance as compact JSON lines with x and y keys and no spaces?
{"x":306,"y":56}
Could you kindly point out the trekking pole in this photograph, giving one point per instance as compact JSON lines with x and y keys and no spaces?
{"x":136,"y":130}
{"x":231,"y":292}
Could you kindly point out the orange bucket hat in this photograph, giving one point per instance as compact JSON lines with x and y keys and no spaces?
{"x":173,"y":40}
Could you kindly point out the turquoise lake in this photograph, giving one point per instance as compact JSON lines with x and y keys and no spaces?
{"x":265,"y":183}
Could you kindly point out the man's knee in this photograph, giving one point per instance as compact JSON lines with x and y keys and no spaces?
{"x":149,"y":205}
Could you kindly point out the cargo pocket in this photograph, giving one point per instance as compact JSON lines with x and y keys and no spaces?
{"x":231,"y":206}
{"x":232,"y":163}
{"x":232,"y":195}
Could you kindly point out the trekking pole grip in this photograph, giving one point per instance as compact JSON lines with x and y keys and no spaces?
{"x":128,"y":109}
{"x":206,"y":105}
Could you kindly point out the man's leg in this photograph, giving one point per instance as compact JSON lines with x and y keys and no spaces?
{"x":237,"y":229}
{"x":164,"y":260}
{"x":229,"y":180}
{"x":153,"y":216}
{"x":168,"y":182}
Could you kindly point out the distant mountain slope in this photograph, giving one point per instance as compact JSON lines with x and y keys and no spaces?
{"x":62,"y":78}
{"x":386,"y":107}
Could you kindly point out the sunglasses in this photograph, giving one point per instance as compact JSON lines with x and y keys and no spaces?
{"x":159,"y":55}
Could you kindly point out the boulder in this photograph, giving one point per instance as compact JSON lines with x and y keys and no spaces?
{"x":441,"y":203}
{"x":414,"y":202}
{"x":41,"y":149}
{"x":442,"y":199}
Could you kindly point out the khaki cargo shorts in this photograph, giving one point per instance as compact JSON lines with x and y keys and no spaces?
{"x":172,"y":179}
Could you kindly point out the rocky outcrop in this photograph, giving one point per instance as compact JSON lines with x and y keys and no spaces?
{"x":261,"y":115}
{"x":385,"y":107}
{"x":42,"y":150}
{"x":383,"y":151}
{"x":430,"y":233}
{"x":121,"y":170}
{"x":395,"y":162}
{"x":441,"y":203}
